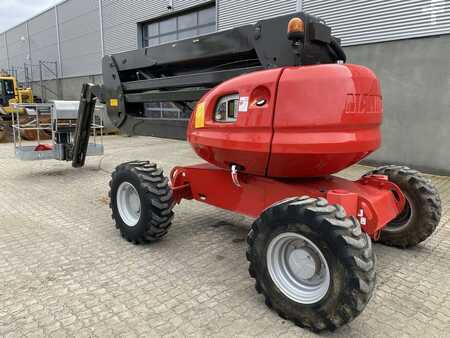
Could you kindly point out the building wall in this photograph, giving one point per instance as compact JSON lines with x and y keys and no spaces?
{"x":68,"y":34}
{"x":120,"y":20}
{"x":43,"y":43}
{"x":18,"y":47}
{"x":406,"y":42}
{"x":80,"y":40}
{"x":415,"y":80}
{"x":233,"y":13}
{"x":70,"y":87}
{"x":362,"y":21}
{"x":3,"y":52}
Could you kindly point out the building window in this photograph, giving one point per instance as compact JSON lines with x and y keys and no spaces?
{"x":166,"y":111}
{"x":183,"y":26}
{"x":187,"y":25}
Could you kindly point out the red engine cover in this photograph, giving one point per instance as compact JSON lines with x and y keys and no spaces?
{"x":292,"y":122}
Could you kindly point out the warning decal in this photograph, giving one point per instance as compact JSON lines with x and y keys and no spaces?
{"x":200,"y":115}
{"x":243,"y":104}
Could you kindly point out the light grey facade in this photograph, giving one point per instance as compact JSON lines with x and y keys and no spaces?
{"x":234,"y":13}
{"x":17,"y":46}
{"x":415,"y":81}
{"x":361,"y":21}
{"x":4,"y":62}
{"x":121,"y":18}
{"x":42,"y":40}
{"x":76,"y":33}
{"x":79,"y":35}
{"x":406,"y":42}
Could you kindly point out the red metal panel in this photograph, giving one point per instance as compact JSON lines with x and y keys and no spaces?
{"x":327,"y":118}
{"x":245,"y":142}
{"x":376,"y":204}
{"x":317,"y":121}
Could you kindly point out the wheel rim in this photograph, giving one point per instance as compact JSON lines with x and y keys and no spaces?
{"x":403,"y":220}
{"x":128,"y":204}
{"x":298,"y":268}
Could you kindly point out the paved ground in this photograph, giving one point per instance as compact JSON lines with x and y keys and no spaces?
{"x":64,"y":270}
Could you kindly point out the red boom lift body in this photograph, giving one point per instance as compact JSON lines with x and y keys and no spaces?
{"x":295,"y":127}
{"x":274,"y":119}
{"x":314,"y":121}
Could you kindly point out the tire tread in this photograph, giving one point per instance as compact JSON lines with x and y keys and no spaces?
{"x":430,"y":206}
{"x":356,"y":247}
{"x":157,"y":196}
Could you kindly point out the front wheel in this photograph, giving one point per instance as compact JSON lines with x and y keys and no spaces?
{"x":313,"y":264}
{"x":141,"y":201}
{"x":422,"y":211}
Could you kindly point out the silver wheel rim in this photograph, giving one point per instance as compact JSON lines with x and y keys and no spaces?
{"x":402,"y":221}
{"x":128,"y":204}
{"x":298,"y":268}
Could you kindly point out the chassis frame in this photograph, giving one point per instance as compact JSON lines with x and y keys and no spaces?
{"x":373,"y":199}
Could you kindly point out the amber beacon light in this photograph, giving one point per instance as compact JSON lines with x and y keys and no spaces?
{"x":296,"y":29}
{"x":296,"y":25}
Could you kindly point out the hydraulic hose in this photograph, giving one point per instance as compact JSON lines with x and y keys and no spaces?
{"x":334,"y":44}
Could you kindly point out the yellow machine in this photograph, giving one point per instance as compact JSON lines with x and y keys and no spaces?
{"x":10,"y":93}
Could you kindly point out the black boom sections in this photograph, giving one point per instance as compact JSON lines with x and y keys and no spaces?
{"x":182,"y":72}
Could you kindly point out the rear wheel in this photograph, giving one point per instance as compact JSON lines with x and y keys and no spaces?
{"x":422,"y":211}
{"x":141,"y":201}
{"x":313,"y":264}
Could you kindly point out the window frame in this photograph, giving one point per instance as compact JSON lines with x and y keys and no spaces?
{"x":9,"y":87}
{"x":144,"y":38}
{"x":226,"y":99}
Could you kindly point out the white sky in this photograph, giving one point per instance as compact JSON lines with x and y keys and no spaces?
{"x":13,"y":12}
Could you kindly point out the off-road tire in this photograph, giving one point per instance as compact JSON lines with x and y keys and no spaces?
{"x":155,"y":197}
{"x":426,"y":206}
{"x":347,"y":250}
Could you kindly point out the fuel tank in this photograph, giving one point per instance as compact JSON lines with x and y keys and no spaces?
{"x":305,"y":121}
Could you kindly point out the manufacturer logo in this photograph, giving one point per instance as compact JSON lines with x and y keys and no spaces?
{"x":363,"y":104}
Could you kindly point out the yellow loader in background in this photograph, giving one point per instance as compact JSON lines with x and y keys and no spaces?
{"x":10,"y":94}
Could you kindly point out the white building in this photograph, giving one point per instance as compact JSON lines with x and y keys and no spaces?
{"x":406,"y":42}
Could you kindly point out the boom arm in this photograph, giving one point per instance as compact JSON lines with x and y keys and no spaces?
{"x":89,"y":94}
{"x":182,"y":72}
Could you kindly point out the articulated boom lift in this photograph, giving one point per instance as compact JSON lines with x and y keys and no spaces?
{"x":275,"y":117}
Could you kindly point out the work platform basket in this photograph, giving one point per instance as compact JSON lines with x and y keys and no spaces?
{"x":45,"y":131}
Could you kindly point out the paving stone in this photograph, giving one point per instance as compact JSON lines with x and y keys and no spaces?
{"x":65,"y":271}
